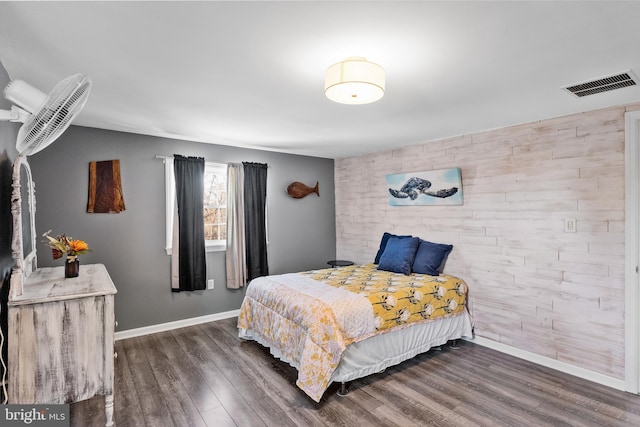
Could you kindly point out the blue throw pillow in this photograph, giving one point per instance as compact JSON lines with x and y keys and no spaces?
{"x":430,"y":258}
{"x":383,"y":244}
{"x":398,"y":255}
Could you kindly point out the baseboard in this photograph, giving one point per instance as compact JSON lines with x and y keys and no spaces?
{"x":567,"y":368}
{"x":161,"y":327}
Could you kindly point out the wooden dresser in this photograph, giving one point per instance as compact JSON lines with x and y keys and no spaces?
{"x":60,"y":341}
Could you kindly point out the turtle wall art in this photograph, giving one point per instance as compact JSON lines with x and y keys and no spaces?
{"x":437,"y":188}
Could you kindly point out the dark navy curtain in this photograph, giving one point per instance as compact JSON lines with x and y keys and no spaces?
{"x":189,"y":175}
{"x":255,"y":216}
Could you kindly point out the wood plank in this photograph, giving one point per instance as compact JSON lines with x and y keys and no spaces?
{"x":128,"y":411}
{"x":265,"y":370}
{"x":239,"y":410}
{"x":200,"y":393}
{"x":519,"y":185}
{"x":260,"y":399}
{"x":152,"y":401}
{"x":218,"y":417}
{"x":133,"y":351}
{"x":468,"y":386}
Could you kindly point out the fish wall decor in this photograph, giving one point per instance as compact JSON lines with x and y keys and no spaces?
{"x":298,"y":190}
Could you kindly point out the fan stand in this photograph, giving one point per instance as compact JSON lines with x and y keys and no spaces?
{"x":14,"y":115}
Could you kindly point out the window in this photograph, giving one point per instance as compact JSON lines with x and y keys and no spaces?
{"x":215,"y":205}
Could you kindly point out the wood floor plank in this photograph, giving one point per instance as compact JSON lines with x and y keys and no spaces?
{"x":199,"y":391}
{"x":134,"y":352}
{"x":264,"y":368}
{"x":129,"y":411}
{"x":490,"y":398}
{"x":152,"y":404}
{"x":218,"y":417}
{"x":183,"y":411}
{"x":411,"y":408}
{"x":389,"y":416}
{"x":454,"y":394}
{"x":176,"y":397}
{"x":414,"y":389}
{"x":205,"y":375}
{"x":566,"y":405}
{"x":592,"y":396}
{"x":88,"y":413}
{"x":238,"y":409}
{"x":153,"y":351}
{"x":278,"y":375}
{"x":259,"y":397}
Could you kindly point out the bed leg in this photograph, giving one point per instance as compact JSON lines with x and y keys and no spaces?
{"x":343,"y":390}
{"x":454,"y":344}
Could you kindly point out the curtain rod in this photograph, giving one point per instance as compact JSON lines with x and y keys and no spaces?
{"x":163,"y":158}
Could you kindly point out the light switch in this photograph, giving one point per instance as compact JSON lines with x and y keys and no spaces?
{"x":570,"y":225}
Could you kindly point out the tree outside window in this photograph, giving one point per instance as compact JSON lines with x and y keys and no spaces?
{"x":215,"y":203}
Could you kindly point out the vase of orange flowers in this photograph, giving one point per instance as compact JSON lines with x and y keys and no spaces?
{"x":68,"y":247}
{"x":72,"y":267}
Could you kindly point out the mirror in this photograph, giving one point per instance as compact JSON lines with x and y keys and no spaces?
{"x":26,"y":206}
{"x":23,"y":210}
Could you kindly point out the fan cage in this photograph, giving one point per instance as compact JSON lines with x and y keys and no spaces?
{"x":63,"y":103}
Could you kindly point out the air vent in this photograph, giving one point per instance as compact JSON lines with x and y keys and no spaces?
{"x":604,"y":84}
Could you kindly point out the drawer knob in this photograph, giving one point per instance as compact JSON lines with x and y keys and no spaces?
{"x":115,"y":354}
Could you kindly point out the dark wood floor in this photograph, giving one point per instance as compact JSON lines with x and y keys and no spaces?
{"x":205,"y":376}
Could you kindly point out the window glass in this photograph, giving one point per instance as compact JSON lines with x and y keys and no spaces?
{"x":215,"y":203}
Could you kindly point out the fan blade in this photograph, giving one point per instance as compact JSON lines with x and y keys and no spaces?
{"x":47,"y":123}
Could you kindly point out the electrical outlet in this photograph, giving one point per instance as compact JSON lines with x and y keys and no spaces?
{"x":210,"y":284}
{"x":570,"y":225}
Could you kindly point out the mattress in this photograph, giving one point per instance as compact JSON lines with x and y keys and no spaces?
{"x":345,"y":323}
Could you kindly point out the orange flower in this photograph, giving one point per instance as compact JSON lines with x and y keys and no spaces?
{"x":63,"y":245}
{"x":78,"y":245}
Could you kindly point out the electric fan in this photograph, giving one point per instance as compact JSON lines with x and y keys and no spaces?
{"x":44,"y":117}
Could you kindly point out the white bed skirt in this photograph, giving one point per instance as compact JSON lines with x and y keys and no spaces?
{"x":388,"y":349}
{"x":381,"y":351}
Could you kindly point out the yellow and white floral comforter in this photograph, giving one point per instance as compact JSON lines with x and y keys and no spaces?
{"x":309,"y":318}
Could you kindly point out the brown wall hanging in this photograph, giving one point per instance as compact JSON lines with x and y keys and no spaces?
{"x":105,"y":189}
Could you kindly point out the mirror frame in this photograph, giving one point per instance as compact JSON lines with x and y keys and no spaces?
{"x":23,"y":264}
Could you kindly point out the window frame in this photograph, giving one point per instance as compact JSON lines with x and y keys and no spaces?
{"x":170,"y":205}
{"x":217,"y":169}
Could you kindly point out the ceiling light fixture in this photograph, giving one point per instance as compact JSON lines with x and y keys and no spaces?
{"x":354,"y":81}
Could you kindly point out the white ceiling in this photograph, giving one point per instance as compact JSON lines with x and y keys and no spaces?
{"x":251,"y":74}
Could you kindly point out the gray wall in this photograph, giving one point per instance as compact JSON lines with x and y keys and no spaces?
{"x":131,"y":243}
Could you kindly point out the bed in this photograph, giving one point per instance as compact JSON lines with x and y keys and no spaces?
{"x":341,"y":324}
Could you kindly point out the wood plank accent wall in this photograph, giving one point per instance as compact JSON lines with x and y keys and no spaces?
{"x":562,"y":293}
